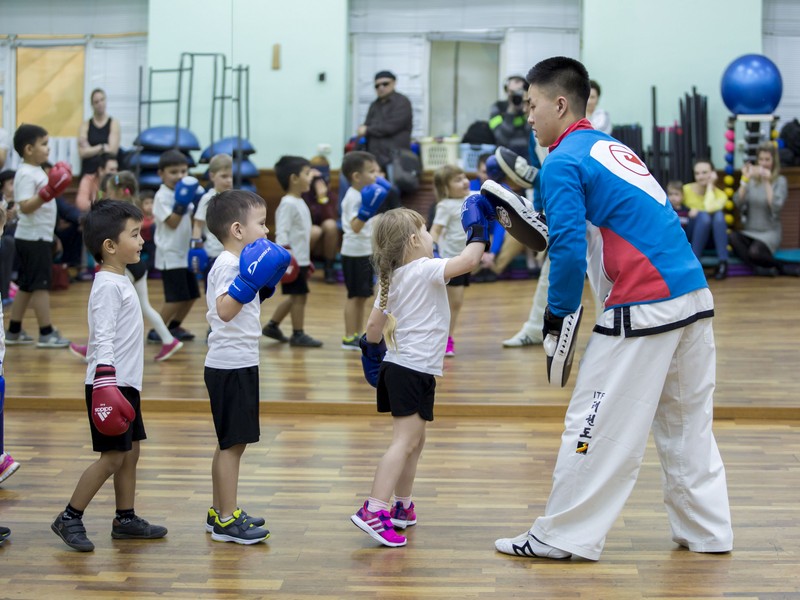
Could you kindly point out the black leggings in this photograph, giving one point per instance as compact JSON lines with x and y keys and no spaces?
{"x":752,"y":252}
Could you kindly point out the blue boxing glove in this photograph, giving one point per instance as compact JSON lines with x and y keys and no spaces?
{"x":371,"y":358}
{"x":383,"y":182}
{"x":372,"y":197}
{"x":185,"y":193}
{"x":476,"y":212}
{"x":261,"y":264}
{"x":493,"y":170}
{"x":2,"y":390}
{"x":198,"y":257}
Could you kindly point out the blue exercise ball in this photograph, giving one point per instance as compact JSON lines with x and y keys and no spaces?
{"x":752,"y":85}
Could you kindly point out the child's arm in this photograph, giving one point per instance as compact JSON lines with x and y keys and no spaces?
{"x":466,"y":262}
{"x":375,"y":325}
{"x":436,"y":231}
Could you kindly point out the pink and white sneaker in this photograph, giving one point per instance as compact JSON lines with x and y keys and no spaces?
{"x":168,"y":350}
{"x":77,"y":350}
{"x":451,"y":347}
{"x":403,"y":517}
{"x":379,"y":526}
{"x":8,"y":466}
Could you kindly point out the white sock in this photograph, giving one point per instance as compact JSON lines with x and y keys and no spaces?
{"x":374,"y":505}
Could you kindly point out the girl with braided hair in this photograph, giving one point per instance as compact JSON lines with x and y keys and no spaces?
{"x":412,"y":308}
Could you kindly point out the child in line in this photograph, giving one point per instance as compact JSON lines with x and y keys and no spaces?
{"x":123,"y":186}
{"x":675,"y":195}
{"x":7,"y":247}
{"x":361,"y":170}
{"x":146,"y":198}
{"x":114,"y":374}
{"x":172,"y":209}
{"x":34,"y":192}
{"x":412,"y":307}
{"x":8,"y":465}
{"x":244,"y":274}
{"x":220,"y":172}
{"x":452,"y":187}
{"x":293,"y":232}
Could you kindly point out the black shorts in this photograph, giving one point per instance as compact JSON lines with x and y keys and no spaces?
{"x":403,"y":391}
{"x":359,"y":276}
{"x":234,"y":405}
{"x":138,"y":270}
{"x":124,"y":442}
{"x":299,"y":286}
{"x":460,"y":281}
{"x":180,"y":285}
{"x":35,"y":265}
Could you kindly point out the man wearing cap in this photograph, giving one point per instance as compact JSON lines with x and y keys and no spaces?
{"x":388,"y":123}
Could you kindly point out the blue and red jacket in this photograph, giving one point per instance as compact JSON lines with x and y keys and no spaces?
{"x":589,"y":178}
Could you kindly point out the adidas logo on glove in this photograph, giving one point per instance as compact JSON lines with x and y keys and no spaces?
{"x":103,"y":411}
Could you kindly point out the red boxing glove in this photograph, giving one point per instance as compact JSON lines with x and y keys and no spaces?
{"x":64,"y":165}
{"x":57,"y":182}
{"x":111,"y":412}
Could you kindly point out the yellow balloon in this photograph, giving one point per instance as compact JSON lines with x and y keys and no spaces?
{"x":728,"y":180}
{"x":729,"y":219}
{"x":729,"y":191}
{"x":773,"y":133}
{"x":729,"y":206}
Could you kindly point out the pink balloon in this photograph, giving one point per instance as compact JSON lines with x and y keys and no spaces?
{"x":729,"y":135}
{"x":729,"y":146}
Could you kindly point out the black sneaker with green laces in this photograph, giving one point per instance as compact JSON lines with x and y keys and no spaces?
{"x":238,"y":529}
{"x":136,"y":529}
{"x":73,"y":533}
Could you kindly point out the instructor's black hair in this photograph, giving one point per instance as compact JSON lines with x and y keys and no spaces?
{"x":563,"y":76}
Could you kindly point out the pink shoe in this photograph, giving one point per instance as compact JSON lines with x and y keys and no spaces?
{"x":79,"y":351}
{"x":379,"y":526}
{"x":403,"y":517}
{"x":8,"y":467}
{"x":168,"y":350}
{"x":451,"y":347}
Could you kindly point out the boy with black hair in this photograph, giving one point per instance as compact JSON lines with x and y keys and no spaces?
{"x":293,"y":232}
{"x":360,"y":203}
{"x":172,"y":209}
{"x":244,"y":274}
{"x":34,"y":191}
{"x":111,"y":232}
{"x":650,"y":361}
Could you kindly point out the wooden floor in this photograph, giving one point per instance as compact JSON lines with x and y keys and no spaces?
{"x":485,"y":472}
{"x":757,"y":330}
{"x":478,"y":479}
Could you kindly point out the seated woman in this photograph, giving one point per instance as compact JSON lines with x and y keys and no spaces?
{"x":706,"y":217}
{"x":760,"y":198}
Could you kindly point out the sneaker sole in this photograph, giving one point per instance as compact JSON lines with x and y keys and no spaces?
{"x":177,"y":347}
{"x":9,"y":472}
{"x":128,"y":536}
{"x":158,"y":341}
{"x":403,"y":524}
{"x":374,"y":534}
{"x":220,"y":537}
{"x":73,"y":546}
{"x":349,"y":347}
{"x":18,"y":342}
{"x":52,"y":345}
{"x":282,"y":340}
{"x":78,"y":354}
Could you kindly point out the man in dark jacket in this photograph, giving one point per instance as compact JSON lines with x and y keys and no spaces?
{"x":388,"y":123}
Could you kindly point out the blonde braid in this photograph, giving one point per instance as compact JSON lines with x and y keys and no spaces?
{"x":391,"y":322}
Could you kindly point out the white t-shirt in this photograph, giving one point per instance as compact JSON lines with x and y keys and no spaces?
{"x":354,"y":244}
{"x":116,"y":329}
{"x":41,"y":223}
{"x":212,"y":245}
{"x":172,"y":245}
{"x":231,"y":345}
{"x":293,"y":228}
{"x":452,"y":239}
{"x":418,"y":300}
